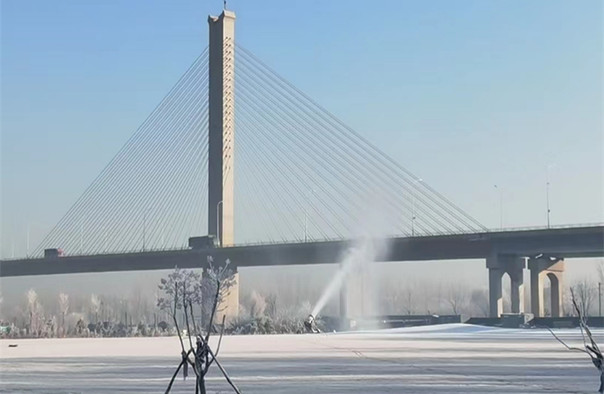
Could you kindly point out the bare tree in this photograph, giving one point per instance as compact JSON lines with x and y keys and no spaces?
{"x":590,"y":347}
{"x":457,"y":298}
{"x":479,"y":299}
{"x":184,"y":292}
{"x":584,"y":295}
{"x":208,"y":290}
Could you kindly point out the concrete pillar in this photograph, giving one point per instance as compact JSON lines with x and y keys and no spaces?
{"x":553,"y":268}
{"x":229,"y":306}
{"x":536,"y":291}
{"x":556,"y":295}
{"x":517,"y":291}
{"x":495,"y":293}
{"x":221,"y":137}
{"x":499,"y":264}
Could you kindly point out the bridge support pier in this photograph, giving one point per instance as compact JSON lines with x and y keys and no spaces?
{"x":498,"y":265}
{"x":554,"y":269}
{"x":495,"y":293}
{"x":229,"y":306}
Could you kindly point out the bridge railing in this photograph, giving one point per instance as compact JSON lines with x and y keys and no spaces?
{"x":551,"y":227}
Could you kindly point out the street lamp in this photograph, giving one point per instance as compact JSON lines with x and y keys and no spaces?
{"x":549,"y":166}
{"x":500,"y":206}
{"x":218,"y":234}
{"x":418,"y":180}
{"x":27,"y":242}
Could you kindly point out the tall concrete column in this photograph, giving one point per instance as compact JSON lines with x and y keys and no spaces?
{"x":554,"y":269}
{"x":221,"y":127}
{"x":517,"y":293}
{"x":221,"y":139}
{"x":537,"y":307}
{"x":556,"y":286}
{"x":495,"y":293}
{"x":498,"y":265}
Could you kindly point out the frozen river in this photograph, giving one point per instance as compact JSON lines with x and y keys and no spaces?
{"x":438,"y":359}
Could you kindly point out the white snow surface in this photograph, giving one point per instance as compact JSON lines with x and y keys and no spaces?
{"x":452,"y":358}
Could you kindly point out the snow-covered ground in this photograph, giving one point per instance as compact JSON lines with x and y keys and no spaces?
{"x":451,"y":358}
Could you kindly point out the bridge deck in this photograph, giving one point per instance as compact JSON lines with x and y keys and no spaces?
{"x":560,"y":242}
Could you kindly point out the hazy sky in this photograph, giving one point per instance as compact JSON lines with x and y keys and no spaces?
{"x":467,"y":94}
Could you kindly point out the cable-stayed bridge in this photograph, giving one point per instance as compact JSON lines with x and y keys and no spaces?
{"x":236,"y":151}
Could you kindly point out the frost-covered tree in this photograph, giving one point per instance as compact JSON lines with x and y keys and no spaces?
{"x":95,"y":307}
{"x":257,"y":305}
{"x":184,"y":292}
{"x":63,"y":308}
{"x":34,"y":309}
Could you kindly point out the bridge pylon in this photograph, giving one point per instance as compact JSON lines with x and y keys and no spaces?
{"x":221,"y":139}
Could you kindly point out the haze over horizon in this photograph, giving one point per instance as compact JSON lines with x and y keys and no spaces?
{"x":467,"y":95}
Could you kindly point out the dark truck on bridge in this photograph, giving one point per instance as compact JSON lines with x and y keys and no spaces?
{"x":205,"y":242}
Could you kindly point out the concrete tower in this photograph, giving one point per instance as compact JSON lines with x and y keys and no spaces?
{"x":222,"y":126}
{"x":221,"y":148}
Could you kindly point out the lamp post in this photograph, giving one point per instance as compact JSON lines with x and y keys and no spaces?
{"x":418,"y":180}
{"x":500,"y":206}
{"x":218,"y":234}
{"x":547,"y":201}
{"x":27,"y":242}
{"x":549,"y":166}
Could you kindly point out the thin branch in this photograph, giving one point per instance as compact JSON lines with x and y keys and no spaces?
{"x":176,"y":373}
{"x":193,"y":317}
{"x":182,"y":345}
{"x":221,"y":333}
{"x":226,"y":376}
{"x":208,"y":363}
{"x":564,"y":343}
{"x":174,"y":376}
{"x":184,"y":306}
{"x":216,"y":296}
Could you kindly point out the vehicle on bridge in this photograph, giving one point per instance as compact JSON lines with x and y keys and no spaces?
{"x":204,"y":242}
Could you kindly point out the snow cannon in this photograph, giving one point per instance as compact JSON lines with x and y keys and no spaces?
{"x":310,"y":325}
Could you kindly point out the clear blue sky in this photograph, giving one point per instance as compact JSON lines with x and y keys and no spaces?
{"x":467,"y":94}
